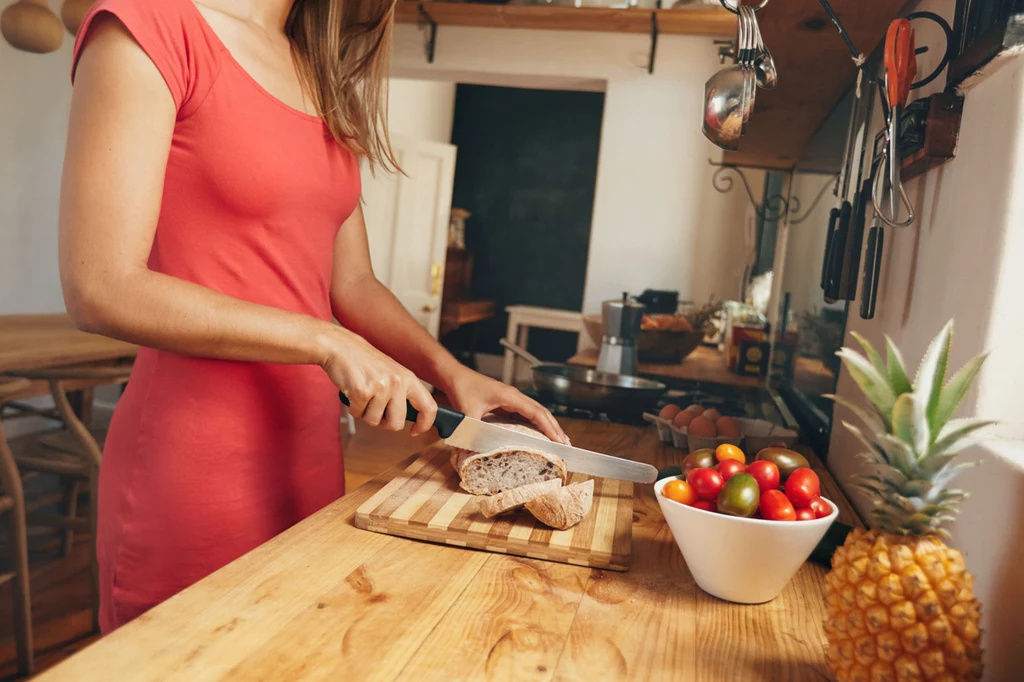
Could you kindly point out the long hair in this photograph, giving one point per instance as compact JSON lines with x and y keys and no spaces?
{"x":342,"y":49}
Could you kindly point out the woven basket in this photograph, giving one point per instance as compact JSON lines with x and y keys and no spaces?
{"x":654,"y":345}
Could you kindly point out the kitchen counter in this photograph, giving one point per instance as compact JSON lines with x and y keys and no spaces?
{"x":326,"y":601}
{"x":703,"y":364}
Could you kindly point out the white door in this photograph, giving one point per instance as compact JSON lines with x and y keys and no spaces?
{"x":407,"y":225}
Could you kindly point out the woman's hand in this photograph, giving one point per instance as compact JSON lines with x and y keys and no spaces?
{"x":475,"y":395}
{"x":376,"y":386}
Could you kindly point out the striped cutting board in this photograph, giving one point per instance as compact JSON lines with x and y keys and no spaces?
{"x":424,"y":502}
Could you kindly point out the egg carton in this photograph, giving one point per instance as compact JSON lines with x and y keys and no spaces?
{"x":759,"y":434}
{"x":686,"y":441}
{"x":664,"y":427}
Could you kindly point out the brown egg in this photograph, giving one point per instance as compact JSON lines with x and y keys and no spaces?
{"x":683,"y":419}
{"x":712,"y":414}
{"x":727,"y":427}
{"x":702,"y":426}
{"x":669,"y":412}
{"x":696,"y":409}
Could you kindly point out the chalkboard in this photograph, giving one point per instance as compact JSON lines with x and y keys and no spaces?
{"x":525,"y":169}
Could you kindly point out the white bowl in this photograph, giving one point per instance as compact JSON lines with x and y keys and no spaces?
{"x":748,"y":561}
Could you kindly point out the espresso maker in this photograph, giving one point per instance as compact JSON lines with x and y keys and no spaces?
{"x":621,"y":319}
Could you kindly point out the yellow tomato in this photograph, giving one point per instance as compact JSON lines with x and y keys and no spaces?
{"x":680,"y":491}
{"x":726,"y":451}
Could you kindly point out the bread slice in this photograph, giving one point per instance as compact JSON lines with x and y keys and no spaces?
{"x":565,"y":507}
{"x":514,"y":499}
{"x":496,"y":471}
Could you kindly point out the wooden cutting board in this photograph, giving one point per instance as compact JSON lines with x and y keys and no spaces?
{"x":424,"y":502}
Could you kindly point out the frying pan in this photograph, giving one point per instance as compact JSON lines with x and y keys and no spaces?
{"x":589,"y":389}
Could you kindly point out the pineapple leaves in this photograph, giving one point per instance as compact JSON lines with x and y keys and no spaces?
{"x":931,"y":373}
{"x":957,"y":435}
{"x":872,"y":383}
{"x":871,"y":354}
{"x":910,"y":424}
{"x":953,"y":393}
{"x":872,"y":421}
{"x":897,"y":370}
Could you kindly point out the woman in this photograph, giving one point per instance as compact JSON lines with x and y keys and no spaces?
{"x":210,"y":212}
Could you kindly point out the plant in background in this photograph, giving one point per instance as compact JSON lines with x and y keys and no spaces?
{"x":899,"y":602}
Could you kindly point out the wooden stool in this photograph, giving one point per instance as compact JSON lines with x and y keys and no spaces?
{"x":12,"y":502}
{"x":80,"y":464}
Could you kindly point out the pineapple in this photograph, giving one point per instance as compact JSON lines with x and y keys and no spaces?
{"x":899,"y":602}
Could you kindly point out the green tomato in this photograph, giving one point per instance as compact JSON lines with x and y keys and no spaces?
{"x":786,"y":460}
{"x":739,"y":496}
{"x":699,"y":459}
{"x":669,"y":471}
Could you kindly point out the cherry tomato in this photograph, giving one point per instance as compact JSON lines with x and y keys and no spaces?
{"x":679,"y":491}
{"x":820,"y":508}
{"x":726,"y":451}
{"x":775,"y":506}
{"x":707,"y":482}
{"x":765,"y":473}
{"x":802,"y":486}
{"x":706,"y":505}
{"x":805,"y":514}
{"x":730,"y":467}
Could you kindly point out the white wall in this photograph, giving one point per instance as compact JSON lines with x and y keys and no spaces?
{"x":657,"y":222}
{"x":35,"y":93}
{"x":421,"y":109}
{"x":961,"y":259}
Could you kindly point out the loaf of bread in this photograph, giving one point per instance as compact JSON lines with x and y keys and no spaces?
{"x":500,"y":470}
{"x":565,"y":507}
{"x":492,"y":505}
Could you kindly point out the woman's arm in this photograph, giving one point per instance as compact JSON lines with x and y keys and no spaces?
{"x":364,"y":305}
{"x":122,"y":121}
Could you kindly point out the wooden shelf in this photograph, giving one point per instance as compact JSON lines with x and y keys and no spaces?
{"x":814,"y":66}
{"x":693,"y":21}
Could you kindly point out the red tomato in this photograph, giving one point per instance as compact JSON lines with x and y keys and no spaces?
{"x":707,"y":482}
{"x":805,"y":514}
{"x":706,"y":505}
{"x":730,"y":467}
{"x":802,"y":486}
{"x":765,"y":473}
{"x":679,"y":490}
{"x":775,"y":506}
{"x":820,"y":508}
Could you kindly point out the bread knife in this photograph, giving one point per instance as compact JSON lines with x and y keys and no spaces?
{"x":460,"y":431}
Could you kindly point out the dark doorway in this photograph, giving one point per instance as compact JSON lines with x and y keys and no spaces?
{"x":526,"y":168}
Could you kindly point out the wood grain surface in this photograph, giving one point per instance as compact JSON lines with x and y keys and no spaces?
{"x":37,"y":341}
{"x":704,"y":364}
{"x":424,"y":502}
{"x":328,"y":601}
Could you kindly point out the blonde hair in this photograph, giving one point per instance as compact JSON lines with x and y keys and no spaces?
{"x":343,"y":52}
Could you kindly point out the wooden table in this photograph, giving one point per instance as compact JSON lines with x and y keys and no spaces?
{"x":39,"y":341}
{"x":704,"y":364}
{"x":326,"y":601}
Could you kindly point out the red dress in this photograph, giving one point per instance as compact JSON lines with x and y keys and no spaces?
{"x":207,"y":459}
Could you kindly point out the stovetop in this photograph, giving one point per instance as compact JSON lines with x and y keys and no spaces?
{"x":753,"y":403}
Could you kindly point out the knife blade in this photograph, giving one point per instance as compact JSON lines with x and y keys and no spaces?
{"x":461,"y":431}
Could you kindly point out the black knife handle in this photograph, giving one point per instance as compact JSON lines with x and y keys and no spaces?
{"x":872,"y":268}
{"x":833,"y":216}
{"x":446,"y":421}
{"x":858,"y":221}
{"x":836,"y":254}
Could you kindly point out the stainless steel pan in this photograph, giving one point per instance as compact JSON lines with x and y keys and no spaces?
{"x":589,"y":389}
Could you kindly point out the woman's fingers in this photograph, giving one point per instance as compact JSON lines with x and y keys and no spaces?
{"x":420,"y":398}
{"x":374,"y":412}
{"x":536,"y":413}
{"x":394,"y":416}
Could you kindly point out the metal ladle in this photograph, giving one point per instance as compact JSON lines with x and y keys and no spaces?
{"x":724,"y":101}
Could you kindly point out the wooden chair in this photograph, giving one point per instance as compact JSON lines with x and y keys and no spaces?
{"x":12,"y":502}
{"x":76,"y":459}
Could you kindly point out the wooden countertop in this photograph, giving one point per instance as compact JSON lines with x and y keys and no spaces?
{"x":326,"y":601}
{"x":35,"y":341}
{"x":703,"y":364}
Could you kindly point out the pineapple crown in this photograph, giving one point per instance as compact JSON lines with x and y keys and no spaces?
{"x":910,"y":436}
